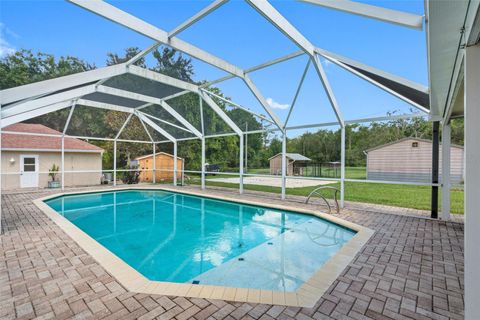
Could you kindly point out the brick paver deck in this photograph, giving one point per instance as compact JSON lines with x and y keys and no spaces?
{"x":412,"y":268}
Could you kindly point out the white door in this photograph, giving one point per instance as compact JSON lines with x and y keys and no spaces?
{"x":28,"y":171}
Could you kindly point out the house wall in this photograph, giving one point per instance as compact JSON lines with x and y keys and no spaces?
{"x":402,"y":162}
{"x":276,"y":166}
{"x":73,"y":161}
{"x":163,"y":162}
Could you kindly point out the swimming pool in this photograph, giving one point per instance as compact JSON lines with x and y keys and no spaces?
{"x":174,"y":237}
{"x":198,"y":243}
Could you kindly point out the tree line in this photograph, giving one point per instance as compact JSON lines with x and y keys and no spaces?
{"x":323,"y":145}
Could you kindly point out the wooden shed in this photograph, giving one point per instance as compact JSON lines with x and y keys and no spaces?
{"x":410,"y":159}
{"x":164,"y":167}
{"x":295,"y":164}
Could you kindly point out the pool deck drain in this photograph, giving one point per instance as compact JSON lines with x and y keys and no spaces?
{"x":412,"y":268}
{"x":305,"y":296}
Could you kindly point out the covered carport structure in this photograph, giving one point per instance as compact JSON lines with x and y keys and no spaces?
{"x":111,"y":88}
{"x":453,"y":34}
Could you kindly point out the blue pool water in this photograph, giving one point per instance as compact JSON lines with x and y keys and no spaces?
{"x":175,"y":237}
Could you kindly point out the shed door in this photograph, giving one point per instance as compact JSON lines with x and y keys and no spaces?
{"x":28,"y":171}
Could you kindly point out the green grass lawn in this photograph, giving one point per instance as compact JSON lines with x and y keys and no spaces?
{"x":417,"y":197}
{"x":259,"y":170}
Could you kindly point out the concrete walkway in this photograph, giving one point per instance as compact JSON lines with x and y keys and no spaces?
{"x":412,"y":268}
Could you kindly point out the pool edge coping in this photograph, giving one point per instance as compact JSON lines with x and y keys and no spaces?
{"x":305,"y":296}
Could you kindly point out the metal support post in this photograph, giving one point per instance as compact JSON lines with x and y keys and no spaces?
{"x":246,"y":148}
{"x":203,"y":163}
{"x":63,"y":162}
{"x":284,"y":163}
{"x":65,"y":128}
{"x":342,"y":168}
{"x":472,"y":182}
{"x":175,"y":163}
{"x":1,"y":178}
{"x":435,"y":158}
{"x":241,"y":164}
{"x":183,"y":172}
{"x":446,"y":142}
{"x":115,"y":162}
{"x":154,"y":172}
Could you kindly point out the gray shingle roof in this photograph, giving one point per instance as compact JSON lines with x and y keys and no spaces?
{"x":294,"y":156}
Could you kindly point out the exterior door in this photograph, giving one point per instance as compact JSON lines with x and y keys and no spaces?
{"x":29,"y":171}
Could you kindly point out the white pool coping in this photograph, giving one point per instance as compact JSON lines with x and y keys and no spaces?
{"x":305,"y":296}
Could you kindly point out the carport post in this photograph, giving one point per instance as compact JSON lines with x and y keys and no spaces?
{"x":175,"y":163}
{"x":241,"y":164}
{"x":435,"y":157}
{"x":472,"y":182}
{"x":342,"y":168}
{"x":284,"y":163}
{"x":446,"y":141}
{"x":154,"y":179}
{"x":203,"y":163}
{"x":114,"y":162}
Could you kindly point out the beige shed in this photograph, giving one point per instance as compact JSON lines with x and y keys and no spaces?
{"x":26,"y":159}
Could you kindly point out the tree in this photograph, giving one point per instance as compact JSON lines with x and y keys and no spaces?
{"x":114,"y":58}
{"x":24,"y":67}
{"x":173,"y":64}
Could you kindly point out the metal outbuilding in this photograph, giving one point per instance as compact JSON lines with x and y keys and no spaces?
{"x":410,"y":159}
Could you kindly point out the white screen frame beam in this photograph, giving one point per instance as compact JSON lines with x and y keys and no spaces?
{"x":400,"y":18}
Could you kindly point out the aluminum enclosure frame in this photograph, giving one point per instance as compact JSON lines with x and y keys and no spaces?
{"x":33,"y":100}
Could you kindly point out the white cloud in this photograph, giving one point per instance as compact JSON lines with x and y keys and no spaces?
{"x":275,"y":105}
{"x":5,"y":47}
{"x":326,"y":63}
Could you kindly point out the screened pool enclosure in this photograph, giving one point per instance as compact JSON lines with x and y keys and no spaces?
{"x":150,"y":98}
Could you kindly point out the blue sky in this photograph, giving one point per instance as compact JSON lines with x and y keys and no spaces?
{"x":241,"y":36}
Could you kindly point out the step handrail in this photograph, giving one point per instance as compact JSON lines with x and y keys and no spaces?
{"x":317,"y":191}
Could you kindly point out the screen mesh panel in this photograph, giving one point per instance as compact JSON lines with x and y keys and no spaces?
{"x":137,"y":84}
{"x":94,"y":122}
{"x":115,"y":100}
{"x":134,"y":130}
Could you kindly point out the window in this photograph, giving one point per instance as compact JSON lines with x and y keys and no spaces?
{"x":29,"y":164}
{"x":414,"y":144}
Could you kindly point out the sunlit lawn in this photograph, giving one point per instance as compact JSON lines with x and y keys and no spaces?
{"x":417,"y":197}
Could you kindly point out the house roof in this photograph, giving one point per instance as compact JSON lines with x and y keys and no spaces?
{"x":151,"y":156}
{"x":405,"y":139}
{"x":293,"y":156}
{"x":41,"y":143}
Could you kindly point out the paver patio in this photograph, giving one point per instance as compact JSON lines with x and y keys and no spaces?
{"x":412,"y":268}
